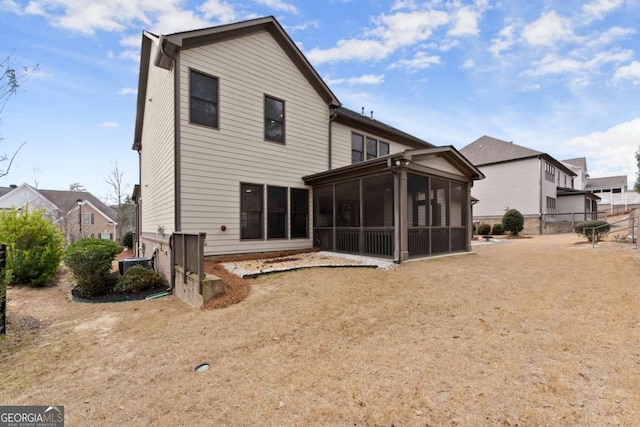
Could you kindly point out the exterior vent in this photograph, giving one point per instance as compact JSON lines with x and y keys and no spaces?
{"x":125,"y":264}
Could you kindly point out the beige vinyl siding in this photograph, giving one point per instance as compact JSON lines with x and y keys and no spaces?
{"x":439,"y":164}
{"x":570,"y":204}
{"x":214,"y":162}
{"x":341,"y":144}
{"x":157,"y":156}
{"x":515,"y":185}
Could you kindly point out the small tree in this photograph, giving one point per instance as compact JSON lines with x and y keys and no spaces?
{"x":90,"y":262}
{"x":127,"y":239}
{"x":593,"y":229}
{"x":34,"y":246}
{"x":484,"y":229}
{"x":513,"y":221}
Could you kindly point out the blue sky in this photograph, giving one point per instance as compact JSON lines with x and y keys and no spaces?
{"x":559,"y":76}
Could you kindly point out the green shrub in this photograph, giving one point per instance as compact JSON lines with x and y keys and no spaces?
{"x":484,"y":229}
{"x":138,"y":278}
{"x":497,"y":229}
{"x":34,"y":246}
{"x":90,"y":262}
{"x":512,"y":221}
{"x":587,"y":228}
{"x":127,"y":239}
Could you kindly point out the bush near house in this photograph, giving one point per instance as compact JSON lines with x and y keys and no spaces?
{"x":587,"y":228}
{"x":90,"y":262}
{"x":513,"y":221}
{"x":34,"y":246}
{"x":497,"y":229}
{"x":139,"y":278}
{"x":127,"y":239}
{"x":484,"y":229}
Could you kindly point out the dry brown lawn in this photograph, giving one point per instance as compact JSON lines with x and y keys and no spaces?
{"x":533,"y":332}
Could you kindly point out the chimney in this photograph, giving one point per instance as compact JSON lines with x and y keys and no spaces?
{"x":372,"y":114}
{"x":362,"y":111}
{"x":13,"y":186}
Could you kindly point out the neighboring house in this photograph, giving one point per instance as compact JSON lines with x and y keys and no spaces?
{"x":239,"y":138}
{"x":542,"y":188}
{"x":76,"y":213}
{"x":612,"y":190}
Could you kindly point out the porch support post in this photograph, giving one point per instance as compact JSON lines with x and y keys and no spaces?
{"x":469,"y":208}
{"x":401,"y":219}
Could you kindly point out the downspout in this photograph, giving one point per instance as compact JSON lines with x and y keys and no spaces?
{"x":396,"y":211}
{"x":176,"y":153}
{"x":540,"y":198}
{"x":332,"y":117}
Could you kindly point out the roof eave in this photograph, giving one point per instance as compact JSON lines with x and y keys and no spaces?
{"x":196,"y":38}
{"x":143,"y":76}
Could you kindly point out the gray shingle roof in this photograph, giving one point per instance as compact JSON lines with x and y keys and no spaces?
{"x":366,"y":122}
{"x":487,"y":150}
{"x":580,"y":162}
{"x":66,"y":200}
{"x":618,"y":181}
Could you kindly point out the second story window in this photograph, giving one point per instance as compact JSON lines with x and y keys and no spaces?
{"x":357,"y":148}
{"x":366,"y":148}
{"x":87,"y":218}
{"x":372,"y":148}
{"x":203,"y":99}
{"x":383,"y":149}
{"x":273,"y":119}
{"x":550,"y":172}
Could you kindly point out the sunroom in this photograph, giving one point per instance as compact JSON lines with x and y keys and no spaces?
{"x":402,"y":206}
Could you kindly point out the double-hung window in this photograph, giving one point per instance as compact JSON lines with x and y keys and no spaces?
{"x":203,"y":99}
{"x":276,"y":212}
{"x":273,"y":119}
{"x":251,"y":210}
{"x":357,"y":148}
{"x":299,"y":206}
{"x":367,"y":148}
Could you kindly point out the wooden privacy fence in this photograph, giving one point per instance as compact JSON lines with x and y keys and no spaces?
{"x":188,"y":253}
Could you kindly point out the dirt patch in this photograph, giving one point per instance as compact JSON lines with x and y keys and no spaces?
{"x":539,"y":331}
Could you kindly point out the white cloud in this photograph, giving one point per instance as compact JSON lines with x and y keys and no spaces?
{"x":109,"y":124}
{"x":629,"y":72}
{"x":352,"y":49}
{"x":466,"y":22}
{"x":221,"y":11}
{"x":280,"y":5}
{"x":599,"y":8}
{"x":469,"y":63}
{"x":548,"y":30}
{"x":128,"y":91}
{"x":420,"y":61}
{"x":302,"y":27}
{"x":391,"y":32}
{"x":404,"y":4}
{"x":553,"y":63}
{"x":367,"y":79}
{"x":10,"y":6}
{"x":610,"y":35}
{"x":611,"y":152}
{"x":503,"y":41}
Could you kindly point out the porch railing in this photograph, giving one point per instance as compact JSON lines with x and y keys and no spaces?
{"x":367,"y":241}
